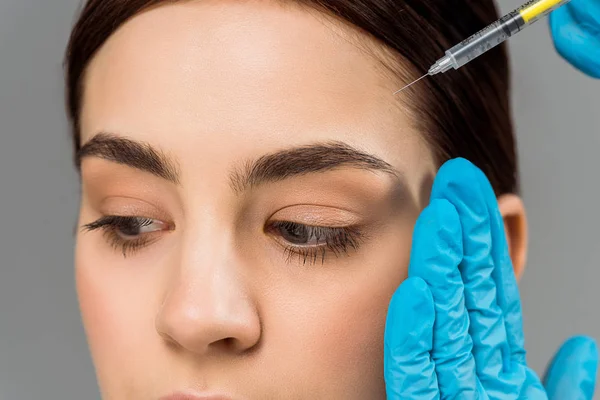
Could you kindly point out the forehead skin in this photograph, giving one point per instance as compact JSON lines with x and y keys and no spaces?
{"x":242,"y":79}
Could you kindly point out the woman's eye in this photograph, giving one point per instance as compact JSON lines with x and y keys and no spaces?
{"x":128,"y":233}
{"x":311,"y":243}
{"x":132,"y":227}
{"x":298,"y":234}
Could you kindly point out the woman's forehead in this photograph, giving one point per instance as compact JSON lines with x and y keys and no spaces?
{"x":213,"y":83}
{"x":194,"y":60}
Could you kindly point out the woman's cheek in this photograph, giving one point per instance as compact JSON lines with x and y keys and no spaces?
{"x":116,"y":314}
{"x":332,"y":329}
{"x":358,"y":319}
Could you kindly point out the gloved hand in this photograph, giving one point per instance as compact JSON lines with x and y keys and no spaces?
{"x":575,"y":31}
{"x":454,"y":328}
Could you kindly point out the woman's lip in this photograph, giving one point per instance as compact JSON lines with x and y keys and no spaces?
{"x":200,"y":396}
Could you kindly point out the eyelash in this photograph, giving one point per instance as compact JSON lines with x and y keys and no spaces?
{"x":338,"y":241}
{"x":335,"y":240}
{"x":113,"y":224}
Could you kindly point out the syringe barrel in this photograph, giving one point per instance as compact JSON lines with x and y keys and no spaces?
{"x":496,"y":33}
{"x":486,"y":39}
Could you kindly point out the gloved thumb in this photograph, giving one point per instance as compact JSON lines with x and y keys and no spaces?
{"x":572,"y":372}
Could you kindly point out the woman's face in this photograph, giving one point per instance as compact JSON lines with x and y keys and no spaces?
{"x":250,"y":185}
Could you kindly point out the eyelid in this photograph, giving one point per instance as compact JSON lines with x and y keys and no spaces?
{"x":317,"y":216}
{"x":139,"y":205}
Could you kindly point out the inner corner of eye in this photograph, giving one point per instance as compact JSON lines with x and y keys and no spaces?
{"x":169,"y":226}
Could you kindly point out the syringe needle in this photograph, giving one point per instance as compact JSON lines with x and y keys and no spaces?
{"x":410,"y":84}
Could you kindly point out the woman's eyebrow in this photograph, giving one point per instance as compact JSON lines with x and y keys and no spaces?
{"x":129,"y":152}
{"x":276,"y":166}
{"x":311,"y":158}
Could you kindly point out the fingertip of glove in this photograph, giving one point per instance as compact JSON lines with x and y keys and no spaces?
{"x":443,"y":213}
{"x":437,"y":239}
{"x":457,"y":164}
{"x":410,"y":313}
{"x":573,"y":370}
{"x":416,"y":284}
{"x":574,"y":39}
{"x":558,"y":18}
{"x":578,"y":354}
{"x":461,"y":181}
{"x":413,"y":293}
{"x":559,"y":21}
{"x":456,"y":171}
{"x":582,"y":346}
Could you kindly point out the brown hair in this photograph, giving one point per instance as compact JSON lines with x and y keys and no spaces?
{"x":464,"y":113}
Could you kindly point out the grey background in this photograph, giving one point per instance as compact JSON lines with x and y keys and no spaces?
{"x":43,"y":353}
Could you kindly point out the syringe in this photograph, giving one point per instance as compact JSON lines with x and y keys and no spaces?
{"x":491,"y":36}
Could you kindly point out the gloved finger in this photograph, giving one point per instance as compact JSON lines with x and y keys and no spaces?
{"x":457,"y":181}
{"x":572,"y":373}
{"x":408,"y":369}
{"x":507,"y":296}
{"x":533,"y":388}
{"x":586,"y":13}
{"x":575,"y":29}
{"x":436,"y":253}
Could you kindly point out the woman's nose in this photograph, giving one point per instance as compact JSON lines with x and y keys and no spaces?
{"x":208,"y":309}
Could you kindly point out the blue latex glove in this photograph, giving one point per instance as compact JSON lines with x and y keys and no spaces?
{"x":454,"y":328}
{"x":575,"y":31}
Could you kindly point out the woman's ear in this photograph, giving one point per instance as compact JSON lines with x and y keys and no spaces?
{"x":515,"y":227}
